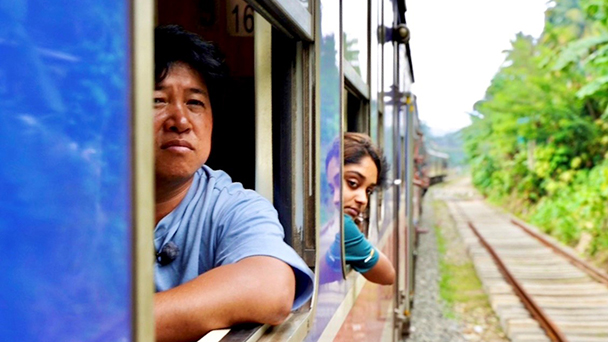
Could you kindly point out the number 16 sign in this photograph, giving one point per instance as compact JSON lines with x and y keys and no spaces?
{"x":239,"y":18}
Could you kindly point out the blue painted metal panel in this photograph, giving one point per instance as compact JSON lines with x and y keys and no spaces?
{"x":65,"y":189}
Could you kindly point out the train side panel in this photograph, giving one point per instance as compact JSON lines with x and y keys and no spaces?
{"x":65,"y":171}
{"x":369,"y":312}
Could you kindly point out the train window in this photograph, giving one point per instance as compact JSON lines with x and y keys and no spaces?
{"x":355,"y":48}
{"x":261,"y":117}
{"x":356,"y":37}
{"x":380,"y":191}
{"x":389,"y":103}
{"x":292,"y":17}
{"x":263,"y":133}
{"x":357,"y":113}
{"x":292,"y":142}
{"x":229,"y":26}
{"x":357,"y":119}
{"x":356,"y":92}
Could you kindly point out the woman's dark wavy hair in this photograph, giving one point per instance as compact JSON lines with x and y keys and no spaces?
{"x":357,"y":146}
{"x":173,"y":44}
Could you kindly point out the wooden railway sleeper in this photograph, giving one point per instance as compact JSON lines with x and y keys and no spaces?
{"x":553,"y":332}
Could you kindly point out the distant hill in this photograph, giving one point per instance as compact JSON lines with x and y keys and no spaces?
{"x":451,"y":143}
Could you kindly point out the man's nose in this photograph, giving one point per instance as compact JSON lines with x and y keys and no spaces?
{"x":337,"y":197}
{"x":179,"y":118}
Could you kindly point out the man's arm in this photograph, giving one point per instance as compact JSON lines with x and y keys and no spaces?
{"x":257,"y":289}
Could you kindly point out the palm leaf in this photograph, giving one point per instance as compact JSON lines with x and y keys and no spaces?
{"x":592,"y":87}
{"x":577,"y":49}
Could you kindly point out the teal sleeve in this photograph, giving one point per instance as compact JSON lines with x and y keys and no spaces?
{"x":360,"y":253}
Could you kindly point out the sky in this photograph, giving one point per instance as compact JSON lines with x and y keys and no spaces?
{"x":457,"y":47}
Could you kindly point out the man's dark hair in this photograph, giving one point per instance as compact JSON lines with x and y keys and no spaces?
{"x":173,"y":44}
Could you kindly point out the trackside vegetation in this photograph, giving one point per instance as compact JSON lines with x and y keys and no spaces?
{"x":539,"y":139}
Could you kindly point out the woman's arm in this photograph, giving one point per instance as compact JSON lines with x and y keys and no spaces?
{"x":364,"y":257}
{"x":382,"y":273}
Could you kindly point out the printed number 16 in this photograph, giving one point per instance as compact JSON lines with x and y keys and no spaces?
{"x":247,"y":18}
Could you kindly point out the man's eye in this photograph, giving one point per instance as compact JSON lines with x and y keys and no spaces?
{"x":195,"y":103}
{"x":159,"y":100}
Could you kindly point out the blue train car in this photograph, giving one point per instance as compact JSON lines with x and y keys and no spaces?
{"x":76,"y":157}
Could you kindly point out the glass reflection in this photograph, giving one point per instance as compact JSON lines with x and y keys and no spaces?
{"x":356,"y":35}
{"x":389,"y":89}
{"x":332,"y":288}
{"x":65,"y":171}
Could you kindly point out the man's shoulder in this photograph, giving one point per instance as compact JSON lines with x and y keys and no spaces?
{"x":235,"y":210}
{"x":224,"y":189}
{"x":218,"y":179}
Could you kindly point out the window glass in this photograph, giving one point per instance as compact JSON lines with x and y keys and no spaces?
{"x":355,"y":13}
{"x":390,"y":100}
{"x":331,"y":290}
{"x":65,"y":176}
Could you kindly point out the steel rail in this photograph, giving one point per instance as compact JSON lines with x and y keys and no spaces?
{"x":581,"y":264}
{"x":553,"y":332}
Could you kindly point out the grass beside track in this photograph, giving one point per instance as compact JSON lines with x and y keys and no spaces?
{"x":459,"y":283}
{"x":459,"y":286}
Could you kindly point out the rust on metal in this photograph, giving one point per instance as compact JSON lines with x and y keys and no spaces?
{"x":547,"y":324}
{"x":591,"y":271}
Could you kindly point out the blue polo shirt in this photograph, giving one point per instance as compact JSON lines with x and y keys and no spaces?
{"x":219,"y":223}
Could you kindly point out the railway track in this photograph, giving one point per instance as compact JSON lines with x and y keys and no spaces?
{"x":539,"y":290}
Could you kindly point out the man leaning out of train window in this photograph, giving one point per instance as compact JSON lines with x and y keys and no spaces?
{"x":221,"y":258}
{"x":365,"y":169}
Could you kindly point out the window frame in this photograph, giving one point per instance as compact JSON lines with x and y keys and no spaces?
{"x":288,"y":16}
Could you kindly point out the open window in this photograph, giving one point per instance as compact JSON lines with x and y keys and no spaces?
{"x":229,"y":26}
{"x":356,"y":93}
{"x":263,"y":130}
{"x":293,"y":130}
{"x":262,"y":127}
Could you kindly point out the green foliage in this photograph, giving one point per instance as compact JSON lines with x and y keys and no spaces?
{"x":578,"y":49}
{"x":540,"y":134}
{"x":578,"y":207}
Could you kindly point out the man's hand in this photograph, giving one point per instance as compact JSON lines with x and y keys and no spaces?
{"x":257,"y":289}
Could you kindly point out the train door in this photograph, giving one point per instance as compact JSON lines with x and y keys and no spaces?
{"x":75,"y":206}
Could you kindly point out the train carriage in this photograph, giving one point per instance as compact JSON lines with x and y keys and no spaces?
{"x":436,"y":165}
{"x":77,"y":150}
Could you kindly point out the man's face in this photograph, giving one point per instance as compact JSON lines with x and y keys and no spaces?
{"x":182,"y":124}
{"x":333,"y":179}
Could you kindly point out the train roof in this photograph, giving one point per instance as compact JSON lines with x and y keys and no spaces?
{"x":437,"y":153}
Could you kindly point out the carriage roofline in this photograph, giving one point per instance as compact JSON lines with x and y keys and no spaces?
{"x":437,"y":154}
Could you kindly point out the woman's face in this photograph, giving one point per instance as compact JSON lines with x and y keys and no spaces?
{"x":359,"y":181}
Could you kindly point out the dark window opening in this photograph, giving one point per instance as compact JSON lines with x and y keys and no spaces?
{"x":233,"y":139}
